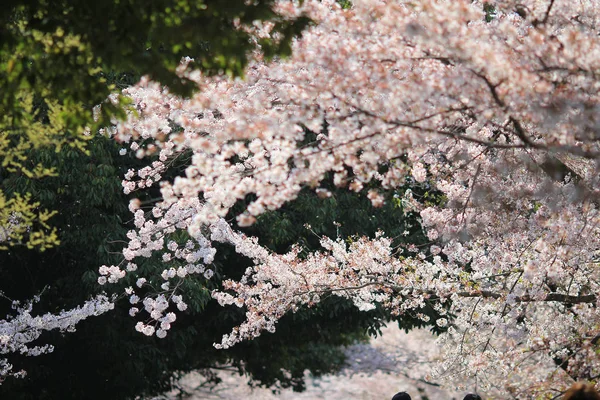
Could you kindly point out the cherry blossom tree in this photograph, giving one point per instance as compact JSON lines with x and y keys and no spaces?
{"x":494,"y":104}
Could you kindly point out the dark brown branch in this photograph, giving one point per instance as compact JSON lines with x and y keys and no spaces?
{"x":558,"y":297}
{"x":486,"y":294}
{"x":546,"y":15}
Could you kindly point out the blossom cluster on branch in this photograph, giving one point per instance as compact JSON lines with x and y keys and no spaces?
{"x":495,"y":104}
{"x":18,"y":332}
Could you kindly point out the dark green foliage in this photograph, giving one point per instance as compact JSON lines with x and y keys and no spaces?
{"x":67,"y":48}
{"x":65,"y":51}
{"x":490,"y":11}
{"x":346,"y":4}
{"x":88,"y":195}
{"x":344,"y":214}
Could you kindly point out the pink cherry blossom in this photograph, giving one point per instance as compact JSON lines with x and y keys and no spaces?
{"x":495,"y":108}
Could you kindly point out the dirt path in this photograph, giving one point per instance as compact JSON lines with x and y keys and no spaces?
{"x":392,"y":349}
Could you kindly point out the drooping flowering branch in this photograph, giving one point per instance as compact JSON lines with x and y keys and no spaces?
{"x":493,"y":105}
{"x":18,"y":332}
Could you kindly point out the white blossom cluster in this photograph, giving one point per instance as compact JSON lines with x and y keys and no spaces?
{"x":152,"y":237}
{"x":13,"y":222}
{"x":495,"y":105}
{"x":18,"y":332}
